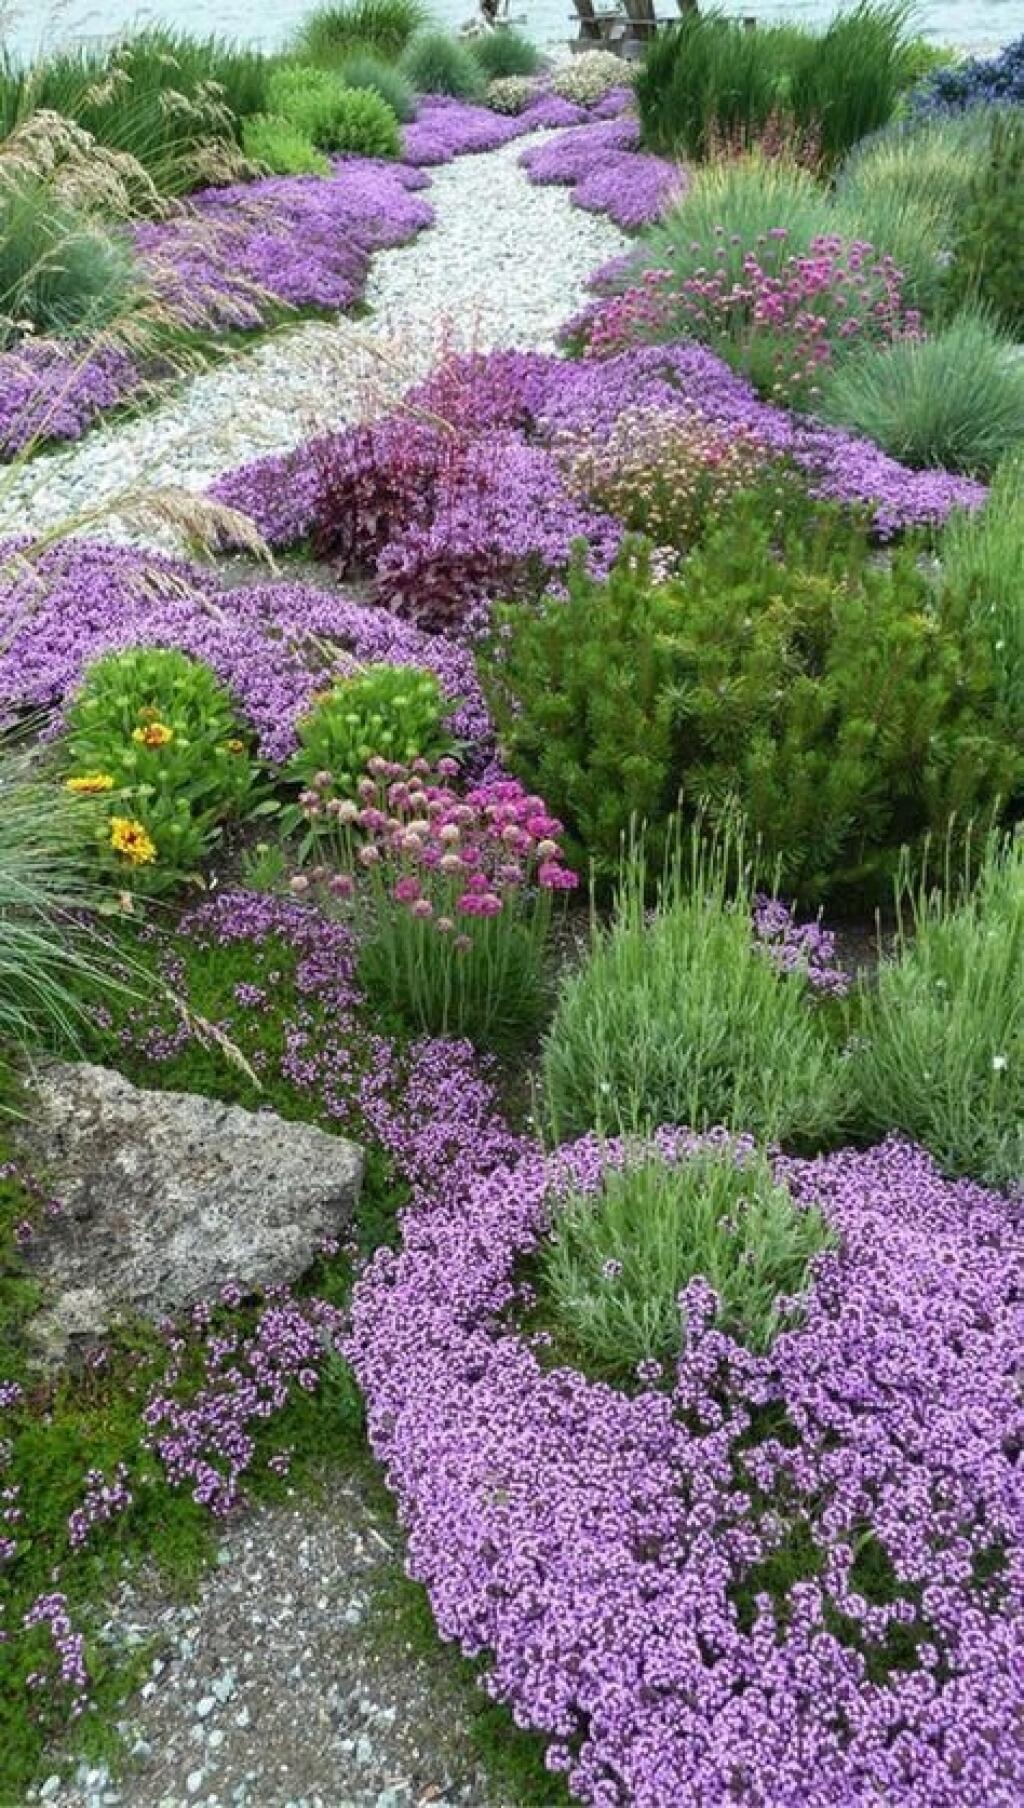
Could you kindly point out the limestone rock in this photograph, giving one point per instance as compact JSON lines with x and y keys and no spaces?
{"x":167,"y":1196}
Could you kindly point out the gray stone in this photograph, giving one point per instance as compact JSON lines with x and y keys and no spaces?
{"x":167,"y":1196}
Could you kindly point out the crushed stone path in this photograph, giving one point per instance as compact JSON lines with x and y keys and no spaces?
{"x":284,"y":1683}
{"x":504,"y":264}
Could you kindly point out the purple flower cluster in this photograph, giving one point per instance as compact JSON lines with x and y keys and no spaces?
{"x":51,"y":1611}
{"x":293,"y":241}
{"x":446,"y":510}
{"x":206,"y":1440}
{"x":274,"y":644}
{"x":608,"y":173}
{"x":56,"y":389}
{"x":482,"y":496}
{"x":807,"y":948}
{"x":445,"y":128}
{"x":615,"y":1553}
{"x":102,"y":1502}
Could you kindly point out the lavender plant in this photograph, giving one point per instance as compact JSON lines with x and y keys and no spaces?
{"x":616,"y":1262}
{"x":678,"y":1018}
{"x":941,"y":1054}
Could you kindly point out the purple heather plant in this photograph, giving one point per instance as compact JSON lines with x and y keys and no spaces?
{"x":293,"y":241}
{"x":479,"y":498}
{"x":619,"y":1554}
{"x":55,"y":389}
{"x":275,"y":645}
{"x":608,"y":172}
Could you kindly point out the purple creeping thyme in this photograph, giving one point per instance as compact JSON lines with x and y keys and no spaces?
{"x":474,"y":492}
{"x":445,"y":128}
{"x":51,"y":1611}
{"x":607,"y":171}
{"x":807,"y":948}
{"x":276,"y":644}
{"x":103,"y":1501}
{"x":593,"y":1543}
{"x":56,"y":389}
{"x":294,"y":241}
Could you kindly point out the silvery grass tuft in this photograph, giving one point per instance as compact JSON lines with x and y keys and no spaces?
{"x":617,"y":1260}
{"x":982,"y":560}
{"x":678,"y":1017}
{"x":49,"y":957}
{"x":941,"y":1056}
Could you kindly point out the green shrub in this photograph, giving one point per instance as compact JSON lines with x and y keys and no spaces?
{"x":708,"y":81}
{"x":989,"y":267}
{"x":941,"y":1055}
{"x":982,"y":555}
{"x":584,"y":79}
{"x":438,"y":64}
{"x":393,"y":711}
{"x":154,"y":736}
{"x":501,"y":53}
{"x":680,"y":1017}
{"x":847,"y":708}
{"x":60,"y":269}
{"x":331,"y":33}
{"x":955,"y":400}
{"x":368,"y":71}
{"x":510,"y":94}
{"x":282,"y":148}
{"x":47,"y":885}
{"x":335,"y":118}
{"x":617,"y":1260}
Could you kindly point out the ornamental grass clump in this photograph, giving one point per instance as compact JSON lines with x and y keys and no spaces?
{"x":332,"y":33}
{"x":954,"y":401}
{"x":452,"y":891}
{"x":680,"y":1017}
{"x":709,"y":78}
{"x":392,"y":711}
{"x":155,"y":738}
{"x":982,"y":562}
{"x":505,"y":53}
{"x":436,"y":63}
{"x":941,"y":1050}
{"x":989,"y":266}
{"x":615,"y":1264}
{"x":49,"y":958}
{"x":371,"y":72}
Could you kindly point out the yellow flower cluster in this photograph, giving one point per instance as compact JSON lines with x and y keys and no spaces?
{"x":89,"y":784}
{"x":131,"y":839}
{"x":153,"y":734}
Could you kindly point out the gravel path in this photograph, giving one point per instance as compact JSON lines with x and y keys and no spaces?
{"x":284,"y":1685}
{"x":504,"y":264}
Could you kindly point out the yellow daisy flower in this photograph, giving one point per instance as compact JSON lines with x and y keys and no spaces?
{"x":89,"y":784}
{"x":132,"y":840}
{"x":154,"y":734}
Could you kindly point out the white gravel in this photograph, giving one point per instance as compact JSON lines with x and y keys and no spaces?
{"x":505,"y":264}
